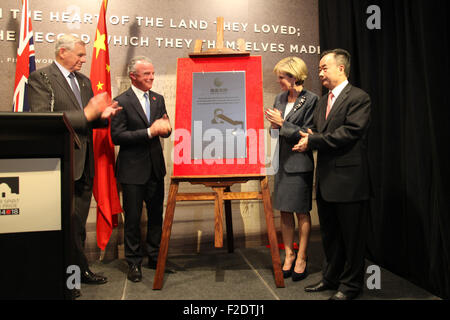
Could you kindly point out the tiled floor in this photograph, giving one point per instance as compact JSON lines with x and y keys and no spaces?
{"x":245,"y":274}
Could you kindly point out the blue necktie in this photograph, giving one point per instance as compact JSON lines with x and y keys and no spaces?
{"x":147,"y":106}
{"x":75,"y":89}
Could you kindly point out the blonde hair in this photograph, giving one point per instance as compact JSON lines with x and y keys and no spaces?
{"x":294,"y":67}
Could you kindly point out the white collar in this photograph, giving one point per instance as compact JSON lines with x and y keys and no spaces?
{"x":138,"y":92}
{"x":338,"y":89}
{"x":63,"y":70}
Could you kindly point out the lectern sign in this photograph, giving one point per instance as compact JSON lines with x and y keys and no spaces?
{"x":30,"y":199}
{"x":9,"y":196}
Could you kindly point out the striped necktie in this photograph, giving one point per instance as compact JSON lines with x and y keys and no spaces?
{"x":75,"y":89}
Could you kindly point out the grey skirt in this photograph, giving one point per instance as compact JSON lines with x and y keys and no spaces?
{"x":293,"y":191}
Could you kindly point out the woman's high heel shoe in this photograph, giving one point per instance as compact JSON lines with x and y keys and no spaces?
{"x":299,"y":276}
{"x":288,"y":273}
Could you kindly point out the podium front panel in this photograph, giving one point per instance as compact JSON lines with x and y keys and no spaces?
{"x":30,"y":195}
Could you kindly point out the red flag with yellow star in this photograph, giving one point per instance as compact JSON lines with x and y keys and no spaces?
{"x":105,"y":187}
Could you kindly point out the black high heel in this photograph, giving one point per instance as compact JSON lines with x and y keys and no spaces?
{"x":300,"y":276}
{"x":288,"y":273}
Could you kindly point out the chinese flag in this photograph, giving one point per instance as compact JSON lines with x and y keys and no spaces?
{"x":105,"y":188}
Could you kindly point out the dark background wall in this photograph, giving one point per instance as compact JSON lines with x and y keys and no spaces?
{"x":404,"y":67}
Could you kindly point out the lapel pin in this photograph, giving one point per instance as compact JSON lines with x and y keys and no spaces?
{"x":300,"y":104}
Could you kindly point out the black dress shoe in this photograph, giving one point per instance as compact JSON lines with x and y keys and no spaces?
{"x":75,"y":293}
{"x":318,"y":287}
{"x":134,"y":273}
{"x":288,"y":273}
{"x":91,"y":278}
{"x":300,"y":276}
{"x":344,"y":296}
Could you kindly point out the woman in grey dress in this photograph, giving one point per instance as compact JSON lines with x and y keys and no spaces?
{"x":293,"y":111}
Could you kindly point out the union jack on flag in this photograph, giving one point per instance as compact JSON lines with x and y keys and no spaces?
{"x":25,"y":61}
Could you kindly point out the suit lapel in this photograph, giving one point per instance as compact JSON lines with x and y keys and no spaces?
{"x":297,"y":105}
{"x":282,"y":104}
{"x":153,"y":107}
{"x":84,"y":89}
{"x":336,"y":106}
{"x":62,"y":83}
{"x":321,"y":110}
{"x":137,"y":106}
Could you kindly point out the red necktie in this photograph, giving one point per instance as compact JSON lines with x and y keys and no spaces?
{"x":330,"y":97}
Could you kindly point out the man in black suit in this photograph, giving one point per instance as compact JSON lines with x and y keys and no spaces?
{"x":341,"y":123}
{"x":60,"y":87}
{"x":140,"y":166}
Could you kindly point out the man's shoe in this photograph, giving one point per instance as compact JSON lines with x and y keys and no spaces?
{"x":319,"y":287}
{"x":344,"y":296}
{"x":91,"y":278}
{"x":134,"y":273}
{"x":75,"y":293}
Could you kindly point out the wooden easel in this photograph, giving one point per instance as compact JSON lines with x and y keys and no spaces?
{"x":219,"y":50}
{"x":221,"y":194}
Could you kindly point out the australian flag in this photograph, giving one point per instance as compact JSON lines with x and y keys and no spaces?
{"x":25,"y":61}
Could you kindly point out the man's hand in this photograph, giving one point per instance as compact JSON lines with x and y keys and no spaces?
{"x":101,"y":106}
{"x":111,"y":110}
{"x":161,"y":127}
{"x":302,"y":144}
{"x":274,"y":117}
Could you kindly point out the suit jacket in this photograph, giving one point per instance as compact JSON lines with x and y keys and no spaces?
{"x":49,"y":91}
{"x":341,"y":141}
{"x":138,"y":154}
{"x":300,"y":117}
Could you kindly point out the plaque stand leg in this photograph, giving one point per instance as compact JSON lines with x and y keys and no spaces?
{"x":221,"y":196}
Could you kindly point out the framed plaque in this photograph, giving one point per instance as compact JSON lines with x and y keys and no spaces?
{"x":219,"y":117}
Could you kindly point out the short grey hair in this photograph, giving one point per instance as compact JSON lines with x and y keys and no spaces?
{"x":133,"y":61}
{"x":67,"y":41}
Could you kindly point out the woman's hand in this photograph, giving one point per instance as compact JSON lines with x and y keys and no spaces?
{"x":274,"y":117}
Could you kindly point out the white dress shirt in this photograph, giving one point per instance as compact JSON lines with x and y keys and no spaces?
{"x":337,"y":91}
{"x":140,"y":95}
{"x":288,"y":109}
{"x":66,"y":74}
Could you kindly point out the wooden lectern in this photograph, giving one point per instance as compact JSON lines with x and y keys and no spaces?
{"x":35,"y":259}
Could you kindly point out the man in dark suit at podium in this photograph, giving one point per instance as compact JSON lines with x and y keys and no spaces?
{"x":60,"y":87}
{"x":341,"y":123}
{"x":140,"y":166}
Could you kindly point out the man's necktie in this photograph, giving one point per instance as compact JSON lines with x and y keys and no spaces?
{"x":330,"y":97}
{"x":75,"y":89}
{"x":147,"y":106}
